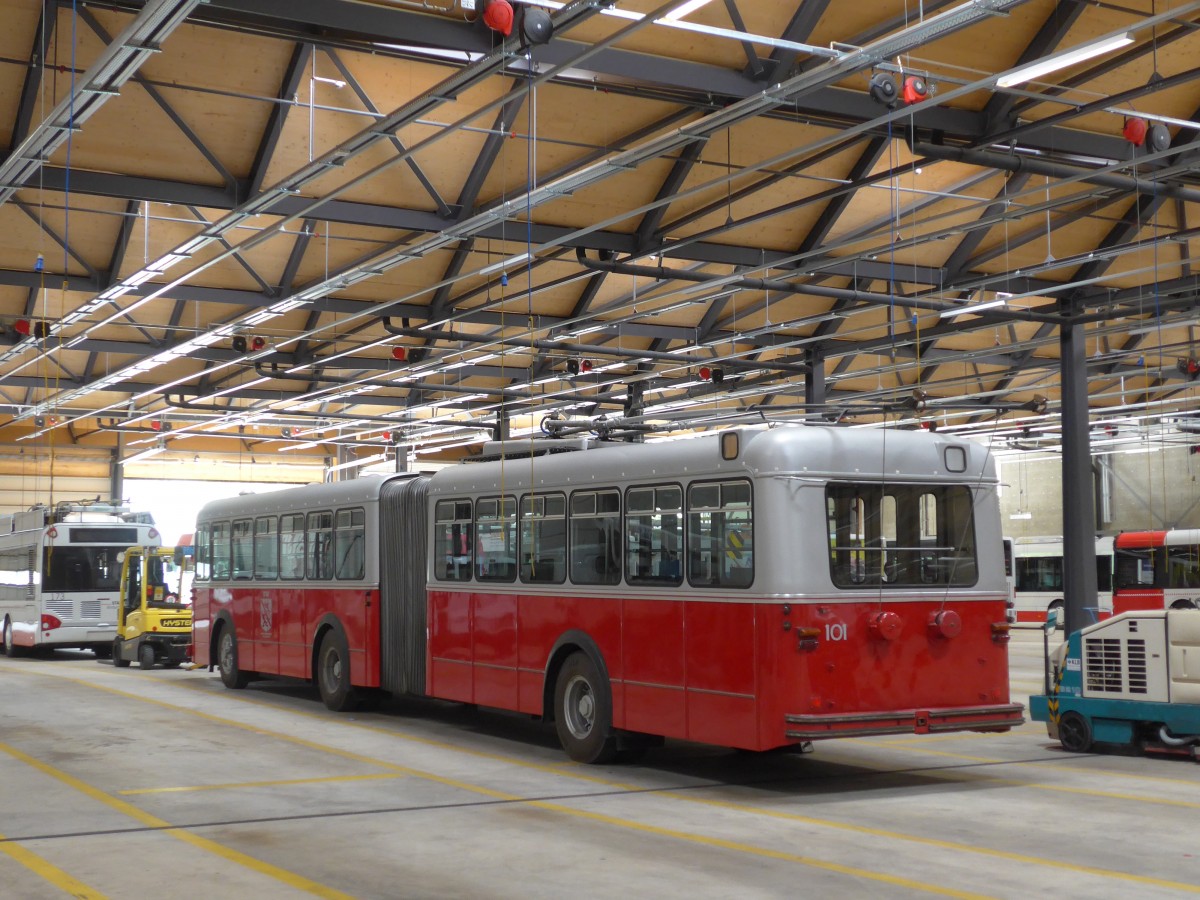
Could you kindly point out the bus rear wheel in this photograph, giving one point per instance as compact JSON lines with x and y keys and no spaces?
{"x":227,"y":661}
{"x":333,"y":673}
{"x":10,"y":649}
{"x":583,"y":711}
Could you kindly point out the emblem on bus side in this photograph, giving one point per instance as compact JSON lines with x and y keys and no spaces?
{"x":264,"y":614}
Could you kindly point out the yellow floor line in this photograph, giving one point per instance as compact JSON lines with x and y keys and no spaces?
{"x":690,"y":837}
{"x":50,"y":873}
{"x":289,"y":878}
{"x":257,"y":784}
{"x":745,"y":808}
{"x":1057,"y":767}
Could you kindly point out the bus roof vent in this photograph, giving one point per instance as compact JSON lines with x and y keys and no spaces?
{"x":519,"y":449}
{"x":98,"y":510}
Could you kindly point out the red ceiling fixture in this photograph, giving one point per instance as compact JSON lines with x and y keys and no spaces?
{"x":915,"y":89}
{"x":1135,"y":131}
{"x":498,"y":16}
{"x":32,"y":328}
{"x":257,"y":342}
{"x":399,"y":354}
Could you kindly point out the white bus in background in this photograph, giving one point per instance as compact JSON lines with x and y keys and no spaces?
{"x":1038,"y":577}
{"x":60,"y":574}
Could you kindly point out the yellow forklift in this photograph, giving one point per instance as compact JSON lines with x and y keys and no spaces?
{"x":153,"y":625}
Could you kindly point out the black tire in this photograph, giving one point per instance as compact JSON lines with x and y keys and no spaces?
{"x":1183,"y":604}
{"x":146,"y":657}
{"x":227,"y":660}
{"x":118,"y":661}
{"x":11,"y":650}
{"x":333,"y":673}
{"x":104,"y":651}
{"x":583,"y":711}
{"x":1075,"y":732}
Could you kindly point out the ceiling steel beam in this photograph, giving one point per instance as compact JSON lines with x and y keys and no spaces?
{"x":395,"y":26}
{"x":288,"y":89}
{"x":115,"y":65}
{"x":31,"y":89}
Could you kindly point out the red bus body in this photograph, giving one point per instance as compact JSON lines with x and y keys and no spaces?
{"x":781,"y":656}
{"x":1157,"y":570}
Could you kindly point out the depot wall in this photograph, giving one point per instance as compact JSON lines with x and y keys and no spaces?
{"x":1153,"y":490}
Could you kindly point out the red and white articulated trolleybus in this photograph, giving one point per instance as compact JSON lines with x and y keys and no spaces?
{"x":753,"y":589}
{"x":1157,"y":570}
{"x":60,"y":573}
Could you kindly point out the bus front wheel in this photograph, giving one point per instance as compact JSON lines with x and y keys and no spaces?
{"x":227,"y":660}
{"x":333,"y":673}
{"x":10,"y":649}
{"x":583,"y":711}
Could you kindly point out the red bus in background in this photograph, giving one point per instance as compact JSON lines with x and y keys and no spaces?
{"x":752,"y":589}
{"x":1157,"y":570}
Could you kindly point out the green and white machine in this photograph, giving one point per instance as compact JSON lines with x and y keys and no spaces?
{"x":1132,"y":680}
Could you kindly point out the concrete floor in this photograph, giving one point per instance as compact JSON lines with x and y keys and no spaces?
{"x":124,"y":783}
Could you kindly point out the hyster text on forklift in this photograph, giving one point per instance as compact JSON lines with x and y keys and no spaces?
{"x":1132,"y":680}
{"x":153,"y":626}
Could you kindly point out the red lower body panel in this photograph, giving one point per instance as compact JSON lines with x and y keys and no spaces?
{"x":746,"y":674}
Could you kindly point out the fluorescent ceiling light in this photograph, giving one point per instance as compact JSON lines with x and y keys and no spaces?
{"x":1048,"y":64}
{"x":974,"y":308}
{"x":690,"y":7}
{"x":145,"y":454}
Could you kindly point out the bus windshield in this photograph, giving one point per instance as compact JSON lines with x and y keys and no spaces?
{"x":81,"y":569}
